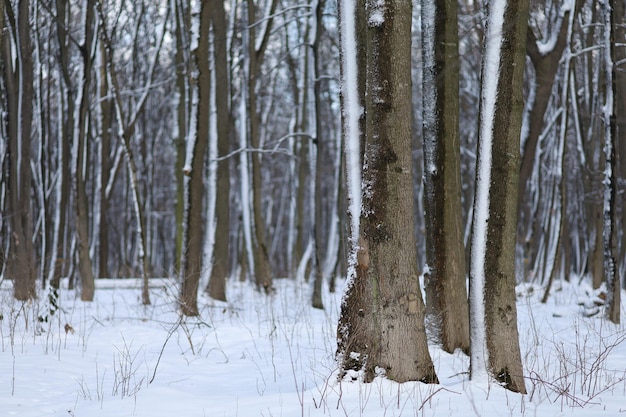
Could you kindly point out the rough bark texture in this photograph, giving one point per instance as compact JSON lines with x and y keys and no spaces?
{"x":446,"y":292}
{"x":356,"y":305}
{"x":219,"y":272}
{"x":393,"y":327}
{"x":505,"y":362}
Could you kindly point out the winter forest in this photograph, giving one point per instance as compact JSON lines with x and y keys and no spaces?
{"x":365,"y":193}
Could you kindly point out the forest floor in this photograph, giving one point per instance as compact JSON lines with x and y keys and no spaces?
{"x":274,"y":356}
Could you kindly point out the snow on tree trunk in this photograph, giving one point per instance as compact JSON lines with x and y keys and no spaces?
{"x":610,"y":187}
{"x":493,"y":317}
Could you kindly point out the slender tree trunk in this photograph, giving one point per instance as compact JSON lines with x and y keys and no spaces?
{"x":183,"y":97}
{"x":320,"y":142}
{"x":611,"y":271}
{"x":106,"y":124}
{"x":192,"y":264}
{"x":262,"y":269}
{"x":446,"y":277}
{"x":81,"y":149}
{"x":221,"y":253}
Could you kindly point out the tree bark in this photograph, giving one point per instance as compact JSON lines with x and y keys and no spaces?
{"x":262,"y":268}
{"x":493,"y":313}
{"x":446,"y":294}
{"x":386,"y":262}
{"x":20,"y":262}
{"x":192,"y":250}
{"x":611,"y":271}
{"x":221,"y":252}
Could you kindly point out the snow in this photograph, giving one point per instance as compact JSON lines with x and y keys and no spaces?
{"x":274,"y":356}
{"x":377,"y":13}
{"x":491,"y":73}
{"x":547,"y":45}
{"x":353,"y":111}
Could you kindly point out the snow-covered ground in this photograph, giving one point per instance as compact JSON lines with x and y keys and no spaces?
{"x":274,"y":356}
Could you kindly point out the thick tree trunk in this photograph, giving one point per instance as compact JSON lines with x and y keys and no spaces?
{"x":495,"y":338}
{"x":393,"y":336}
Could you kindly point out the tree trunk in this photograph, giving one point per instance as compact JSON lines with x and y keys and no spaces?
{"x":81,"y":147}
{"x":183,"y":97}
{"x":221,"y":253}
{"x":386,"y":272}
{"x":611,"y":271}
{"x":20,"y":262}
{"x":262,"y":269}
{"x":106,"y":124}
{"x":493,"y":313}
{"x":320,"y":142}
{"x":192,"y":250}
{"x":446,"y":293}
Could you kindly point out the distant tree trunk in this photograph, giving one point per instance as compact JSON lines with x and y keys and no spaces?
{"x":262,"y":268}
{"x":60,"y":245}
{"x":106,"y":124}
{"x":494,"y":334}
{"x":320,"y":141}
{"x":20,"y":261}
{"x":611,"y":271}
{"x":183,"y":102}
{"x":81,"y":142}
{"x":192,"y":250}
{"x":221,"y":253}
{"x":392,"y":326}
{"x":546,"y":65}
{"x":619,"y":19}
{"x":446,"y":294}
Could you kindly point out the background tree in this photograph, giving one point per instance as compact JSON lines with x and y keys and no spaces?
{"x":18,"y":84}
{"x":81,"y":136}
{"x":611,"y":271}
{"x":494,"y":336}
{"x":194,"y":170}
{"x":220,"y":266}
